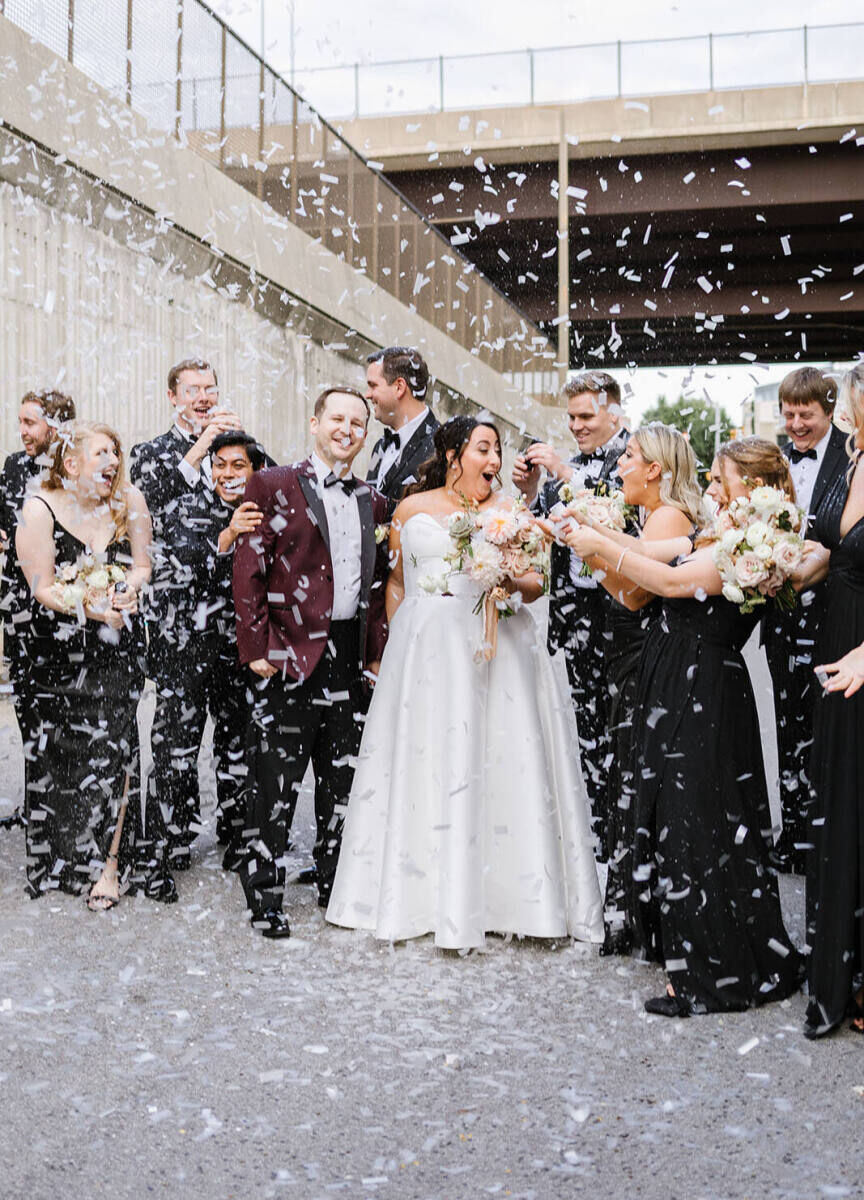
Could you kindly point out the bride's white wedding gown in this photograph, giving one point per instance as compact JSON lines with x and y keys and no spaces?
{"x":468,"y":813}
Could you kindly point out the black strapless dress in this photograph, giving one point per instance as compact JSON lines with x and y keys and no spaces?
{"x":86,"y":682}
{"x":706,"y":902}
{"x":837,"y":772}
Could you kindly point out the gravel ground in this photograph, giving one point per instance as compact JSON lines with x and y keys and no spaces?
{"x":172,"y":1051}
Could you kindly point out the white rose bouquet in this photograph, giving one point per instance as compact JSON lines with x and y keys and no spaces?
{"x":85,"y":584}
{"x":493,"y":547}
{"x":601,"y":505}
{"x":759,"y":545}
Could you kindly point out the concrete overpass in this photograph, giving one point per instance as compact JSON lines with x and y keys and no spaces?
{"x":720,"y":225}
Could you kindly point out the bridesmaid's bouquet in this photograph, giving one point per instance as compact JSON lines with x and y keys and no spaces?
{"x":493,"y":547}
{"x":759,"y":545}
{"x":85,"y":584}
{"x":601,"y":505}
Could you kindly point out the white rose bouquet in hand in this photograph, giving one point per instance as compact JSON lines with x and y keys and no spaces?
{"x":602,"y":506}
{"x":495,"y":547}
{"x":759,"y":546}
{"x":85,"y":584}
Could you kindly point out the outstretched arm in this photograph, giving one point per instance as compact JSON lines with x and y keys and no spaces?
{"x":696,"y":576}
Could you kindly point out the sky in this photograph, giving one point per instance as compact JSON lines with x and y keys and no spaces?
{"x":318,"y":33}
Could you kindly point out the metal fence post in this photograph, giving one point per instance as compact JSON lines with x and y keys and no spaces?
{"x":356,"y":90}
{"x":178,"y":94}
{"x":261,"y":84}
{"x":806,"y":63}
{"x":129,"y":53}
{"x":441,"y":82}
{"x":70,"y":31}
{"x":223,"y":78}
{"x":619,"y":68}
{"x":531,"y":74}
{"x":710,"y":62}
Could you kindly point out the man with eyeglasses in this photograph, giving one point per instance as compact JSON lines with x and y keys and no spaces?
{"x":179,"y":460}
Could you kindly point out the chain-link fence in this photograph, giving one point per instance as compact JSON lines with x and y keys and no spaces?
{"x":179,"y":65}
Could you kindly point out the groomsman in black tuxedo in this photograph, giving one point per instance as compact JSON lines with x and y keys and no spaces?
{"x":397,"y":382}
{"x":309,"y":592}
{"x":39,"y":417}
{"x":817,"y":455}
{"x":193,"y":648}
{"x":178,"y":461}
{"x":576,"y":605}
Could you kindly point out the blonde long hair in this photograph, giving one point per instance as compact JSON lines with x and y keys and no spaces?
{"x":679,"y":484}
{"x":71,"y":439}
{"x":852,"y":401}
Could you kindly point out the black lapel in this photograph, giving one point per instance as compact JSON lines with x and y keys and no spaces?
{"x":832,"y":464}
{"x":367,"y":541}
{"x":374,"y":461}
{"x":404,"y":464}
{"x":314,"y":502}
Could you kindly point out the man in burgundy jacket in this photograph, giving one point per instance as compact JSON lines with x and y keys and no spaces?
{"x":309,"y":594}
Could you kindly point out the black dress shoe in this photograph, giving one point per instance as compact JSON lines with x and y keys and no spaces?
{"x":272,"y":923}
{"x":668,"y":1006}
{"x":307,"y":875}
{"x":232,"y":859}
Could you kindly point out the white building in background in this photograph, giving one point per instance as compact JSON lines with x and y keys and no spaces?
{"x":760,"y":412}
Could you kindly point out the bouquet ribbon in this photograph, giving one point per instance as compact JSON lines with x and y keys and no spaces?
{"x":490,"y":622}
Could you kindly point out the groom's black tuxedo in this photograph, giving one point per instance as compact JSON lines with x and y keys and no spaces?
{"x":404,"y":470}
{"x":577,"y":621}
{"x":789,"y":639}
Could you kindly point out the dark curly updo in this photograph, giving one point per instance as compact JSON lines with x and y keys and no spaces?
{"x":454,"y":435}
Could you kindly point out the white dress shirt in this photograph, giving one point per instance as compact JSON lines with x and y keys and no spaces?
{"x":392,"y":453}
{"x":805,"y":473}
{"x":343,"y":525}
{"x":186,"y":469}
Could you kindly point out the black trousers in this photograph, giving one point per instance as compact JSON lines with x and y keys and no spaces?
{"x":203,"y":677}
{"x":584,"y":654}
{"x":320,"y":719}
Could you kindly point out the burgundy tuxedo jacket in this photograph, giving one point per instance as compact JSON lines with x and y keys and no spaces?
{"x":283,"y":574}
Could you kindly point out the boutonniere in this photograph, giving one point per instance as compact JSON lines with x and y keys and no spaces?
{"x":382,"y":533}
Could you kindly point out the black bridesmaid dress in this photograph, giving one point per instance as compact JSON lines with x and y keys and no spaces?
{"x":706,"y":902}
{"x":626,"y":633}
{"x":86,"y":682}
{"x":836,"y":968}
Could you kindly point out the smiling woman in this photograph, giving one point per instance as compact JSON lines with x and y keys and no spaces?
{"x":83,"y":544}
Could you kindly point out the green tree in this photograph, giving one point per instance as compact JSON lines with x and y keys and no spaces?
{"x":697,"y":418}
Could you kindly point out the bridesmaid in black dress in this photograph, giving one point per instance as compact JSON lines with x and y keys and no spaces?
{"x":86,"y":831}
{"x":706,"y":902}
{"x":836,"y":966}
{"x":658,"y":476}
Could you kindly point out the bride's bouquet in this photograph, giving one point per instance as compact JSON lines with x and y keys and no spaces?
{"x":759,"y":545}
{"x":493,"y":547}
{"x":85,"y":584}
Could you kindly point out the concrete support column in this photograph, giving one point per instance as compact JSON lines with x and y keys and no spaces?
{"x":563,"y":254}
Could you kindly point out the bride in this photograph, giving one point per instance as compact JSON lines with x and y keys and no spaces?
{"x":468,"y":813}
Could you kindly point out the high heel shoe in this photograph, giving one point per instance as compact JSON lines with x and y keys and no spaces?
{"x":669,"y":1005}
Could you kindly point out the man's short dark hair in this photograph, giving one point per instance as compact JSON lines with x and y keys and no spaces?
{"x":56,"y":406}
{"x":403,"y":362}
{"x":807,"y":385}
{"x":188,"y":364}
{"x":321,"y":402}
{"x":236,"y":437}
{"x":598,"y":383}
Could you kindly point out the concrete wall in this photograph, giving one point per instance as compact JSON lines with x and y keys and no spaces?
{"x":123,"y":251}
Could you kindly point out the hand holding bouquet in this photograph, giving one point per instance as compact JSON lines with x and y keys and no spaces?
{"x":88,"y":585}
{"x":601,"y":506}
{"x":759,"y":546}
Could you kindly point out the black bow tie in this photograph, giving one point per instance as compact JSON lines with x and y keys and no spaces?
{"x":795,"y":456}
{"x":582,"y":460}
{"x":348,"y":483}
{"x":390,"y":438}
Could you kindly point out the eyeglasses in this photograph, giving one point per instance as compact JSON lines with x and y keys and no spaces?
{"x":191,"y":390}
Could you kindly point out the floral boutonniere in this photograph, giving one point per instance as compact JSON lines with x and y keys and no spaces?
{"x":382,"y":533}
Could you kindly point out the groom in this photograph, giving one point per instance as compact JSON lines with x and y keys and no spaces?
{"x":309,"y":594}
